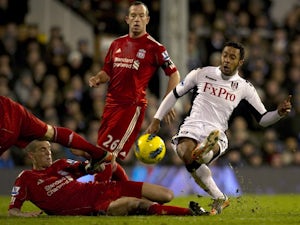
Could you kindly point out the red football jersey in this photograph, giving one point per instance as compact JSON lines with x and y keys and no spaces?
{"x":130,"y":63}
{"x":56,"y":191}
{"x":17,"y":125}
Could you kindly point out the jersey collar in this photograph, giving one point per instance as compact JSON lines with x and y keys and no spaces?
{"x":224,"y":77}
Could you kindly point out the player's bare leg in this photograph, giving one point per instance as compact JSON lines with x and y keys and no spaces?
{"x":195,"y":164}
{"x":127,"y":205}
{"x":157,"y":193}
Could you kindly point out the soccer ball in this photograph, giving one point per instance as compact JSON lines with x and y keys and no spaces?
{"x":150,"y":149}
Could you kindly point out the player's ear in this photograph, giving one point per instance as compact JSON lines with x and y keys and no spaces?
{"x":30,"y":156}
{"x":126,"y":19}
{"x":241,"y":62}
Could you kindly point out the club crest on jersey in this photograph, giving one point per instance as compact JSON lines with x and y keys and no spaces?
{"x":234,"y":85}
{"x":141,"y":54}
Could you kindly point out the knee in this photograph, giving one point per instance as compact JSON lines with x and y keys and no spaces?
{"x":169,"y":195}
{"x":133,"y":204}
{"x":166,"y":195}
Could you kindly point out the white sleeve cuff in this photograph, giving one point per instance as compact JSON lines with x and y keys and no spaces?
{"x":165,"y":106}
{"x":269,"y":118}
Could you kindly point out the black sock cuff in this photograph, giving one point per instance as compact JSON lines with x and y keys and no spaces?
{"x":193,"y":166}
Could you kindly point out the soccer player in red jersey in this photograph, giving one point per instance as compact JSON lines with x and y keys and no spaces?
{"x":19,"y":127}
{"x":130,"y":63}
{"x":54,"y":189}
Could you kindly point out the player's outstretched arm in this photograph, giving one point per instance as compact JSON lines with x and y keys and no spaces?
{"x":19,"y":213}
{"x":272,"y":117}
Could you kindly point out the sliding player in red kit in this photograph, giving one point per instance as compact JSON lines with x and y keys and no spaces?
{"x":19,"y":127}
{"x":54,"y":189}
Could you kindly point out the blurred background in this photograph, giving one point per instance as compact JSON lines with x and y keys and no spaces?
{"x":50,"y":48}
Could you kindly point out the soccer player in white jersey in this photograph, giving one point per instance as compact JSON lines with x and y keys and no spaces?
{"x":201,"y":138}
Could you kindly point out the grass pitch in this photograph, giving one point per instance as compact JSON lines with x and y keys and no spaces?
{"x":246,"y":210}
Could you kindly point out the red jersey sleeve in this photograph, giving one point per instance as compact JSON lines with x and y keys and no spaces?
{"x":75,"y":168}
{"x":19,"y":192}
{"x":164,"y":60}
{"x":108,"y":61}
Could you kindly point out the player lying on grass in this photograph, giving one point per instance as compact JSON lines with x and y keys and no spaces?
{"x":19,"y":127}
{"x":54,"y":189}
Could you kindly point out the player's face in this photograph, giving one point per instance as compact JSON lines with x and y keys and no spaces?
{"x":137,"y":20}
{"x":41,"y":157}
{"x":230,"y":60}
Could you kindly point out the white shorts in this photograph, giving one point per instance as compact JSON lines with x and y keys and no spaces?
{"x":199,"y":132}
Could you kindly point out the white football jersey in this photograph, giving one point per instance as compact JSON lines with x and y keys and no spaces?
{"x":216,"y":96}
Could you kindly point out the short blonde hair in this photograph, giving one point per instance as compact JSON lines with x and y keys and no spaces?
{"x":32,"y":146}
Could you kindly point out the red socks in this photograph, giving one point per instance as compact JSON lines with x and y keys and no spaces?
{"x":119,"y":173}
{"x":157,"y":209}
{"x":69,"y":138}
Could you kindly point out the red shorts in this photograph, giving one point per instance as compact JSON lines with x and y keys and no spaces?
{"x":115,"y":190}
{"x":119,"y":128}
{"x":17,"y":125}
{"x":90,"y":198}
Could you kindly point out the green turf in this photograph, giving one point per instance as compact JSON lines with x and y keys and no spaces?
{"x":245,"y":210}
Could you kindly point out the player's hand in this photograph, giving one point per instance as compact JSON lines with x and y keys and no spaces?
{"x":32,"y":214}
{"x":285,"y":107}
{"x":153,"y":127}
{"x":19,"y":213}
{"x":170,"y":116}
{"x":99,"y":78}
{"x":94,"y":81}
